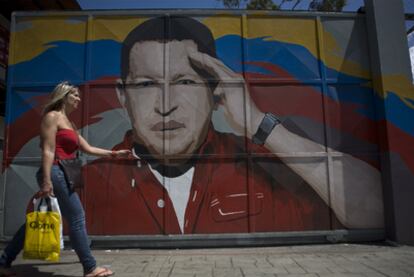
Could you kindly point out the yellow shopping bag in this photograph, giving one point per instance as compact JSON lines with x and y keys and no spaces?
{"x":42,"y":239}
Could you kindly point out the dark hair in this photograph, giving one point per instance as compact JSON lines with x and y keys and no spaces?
{"x":168,"y":28}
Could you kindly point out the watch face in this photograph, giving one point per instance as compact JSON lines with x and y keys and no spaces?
{"x":267,"y":124}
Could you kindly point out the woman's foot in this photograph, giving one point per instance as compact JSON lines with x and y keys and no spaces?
{"x":99,"y":272}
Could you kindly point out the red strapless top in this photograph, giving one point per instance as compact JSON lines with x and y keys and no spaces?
{"x":67,"y":142}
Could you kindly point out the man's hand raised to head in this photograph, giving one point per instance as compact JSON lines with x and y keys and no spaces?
{"x":233,"y":93}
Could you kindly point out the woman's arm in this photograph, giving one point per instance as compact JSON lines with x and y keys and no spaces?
{"x":96,"y":151}
{"x":48,"y":129}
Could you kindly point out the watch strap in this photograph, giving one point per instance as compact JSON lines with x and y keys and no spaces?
{"x":268,"y":123}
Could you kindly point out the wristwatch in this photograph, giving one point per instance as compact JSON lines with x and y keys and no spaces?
{"x":268,"y":123}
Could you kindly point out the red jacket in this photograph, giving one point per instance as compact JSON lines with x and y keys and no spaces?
{"x":225,"y":197}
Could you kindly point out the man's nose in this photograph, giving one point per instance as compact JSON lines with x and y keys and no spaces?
{"x":167,"y":103}
{"x":166,"y":111}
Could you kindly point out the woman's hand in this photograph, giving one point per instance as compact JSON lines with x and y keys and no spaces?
{"x":123,"y":153}
{"x":46,"y":189}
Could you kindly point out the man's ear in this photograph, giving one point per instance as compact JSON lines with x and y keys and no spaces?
{"x":120,"y":92}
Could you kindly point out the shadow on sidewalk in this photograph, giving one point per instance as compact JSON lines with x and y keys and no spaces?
{"x":32,"y":270}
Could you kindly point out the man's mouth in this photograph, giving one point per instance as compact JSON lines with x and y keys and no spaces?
{"x":167,"y":126}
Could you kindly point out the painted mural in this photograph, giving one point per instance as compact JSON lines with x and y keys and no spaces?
{"x":186,"y":95}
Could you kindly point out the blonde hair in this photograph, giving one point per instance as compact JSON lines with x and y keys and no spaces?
{"x":57,"y":97}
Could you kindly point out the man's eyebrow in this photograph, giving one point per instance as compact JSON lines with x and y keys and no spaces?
{"x":181,"y":75}
{"x":177,"y":76}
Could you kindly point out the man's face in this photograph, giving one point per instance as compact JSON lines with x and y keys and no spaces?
{"x":168,"y":103}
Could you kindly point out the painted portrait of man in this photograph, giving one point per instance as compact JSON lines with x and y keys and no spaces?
{"x":187,"y":177}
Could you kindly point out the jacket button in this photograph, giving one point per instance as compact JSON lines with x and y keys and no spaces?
{"x":161,"y":203}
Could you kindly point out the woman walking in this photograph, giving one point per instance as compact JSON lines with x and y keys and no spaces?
{"x":59,"y":141}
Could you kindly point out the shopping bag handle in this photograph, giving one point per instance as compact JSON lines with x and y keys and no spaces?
{"x":49,"y":205}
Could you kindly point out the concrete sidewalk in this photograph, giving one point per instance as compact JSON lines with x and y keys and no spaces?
{"x":305,"y":261}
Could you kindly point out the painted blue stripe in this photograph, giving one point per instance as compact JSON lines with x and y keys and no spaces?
{"x":65,"y":61}
{"x":22,"y":101}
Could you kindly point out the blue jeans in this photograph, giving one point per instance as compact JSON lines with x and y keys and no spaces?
{"x":72,"y":211}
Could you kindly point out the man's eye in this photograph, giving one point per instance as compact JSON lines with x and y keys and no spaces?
{"x":185,"y":82}
{"x":144,"y":84}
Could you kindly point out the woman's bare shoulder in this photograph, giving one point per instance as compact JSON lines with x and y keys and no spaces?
{"x":51,"y":117}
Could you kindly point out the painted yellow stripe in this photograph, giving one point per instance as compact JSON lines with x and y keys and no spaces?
{"x":299,"y":31}
{"x":398,"y":84}
{"x":30,"y":42}
{"x":33,"y":33}
{"x":114,"y":28}
{"x":224,"y":24}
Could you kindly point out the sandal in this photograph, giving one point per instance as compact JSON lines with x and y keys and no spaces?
{"x":100,"y":272}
